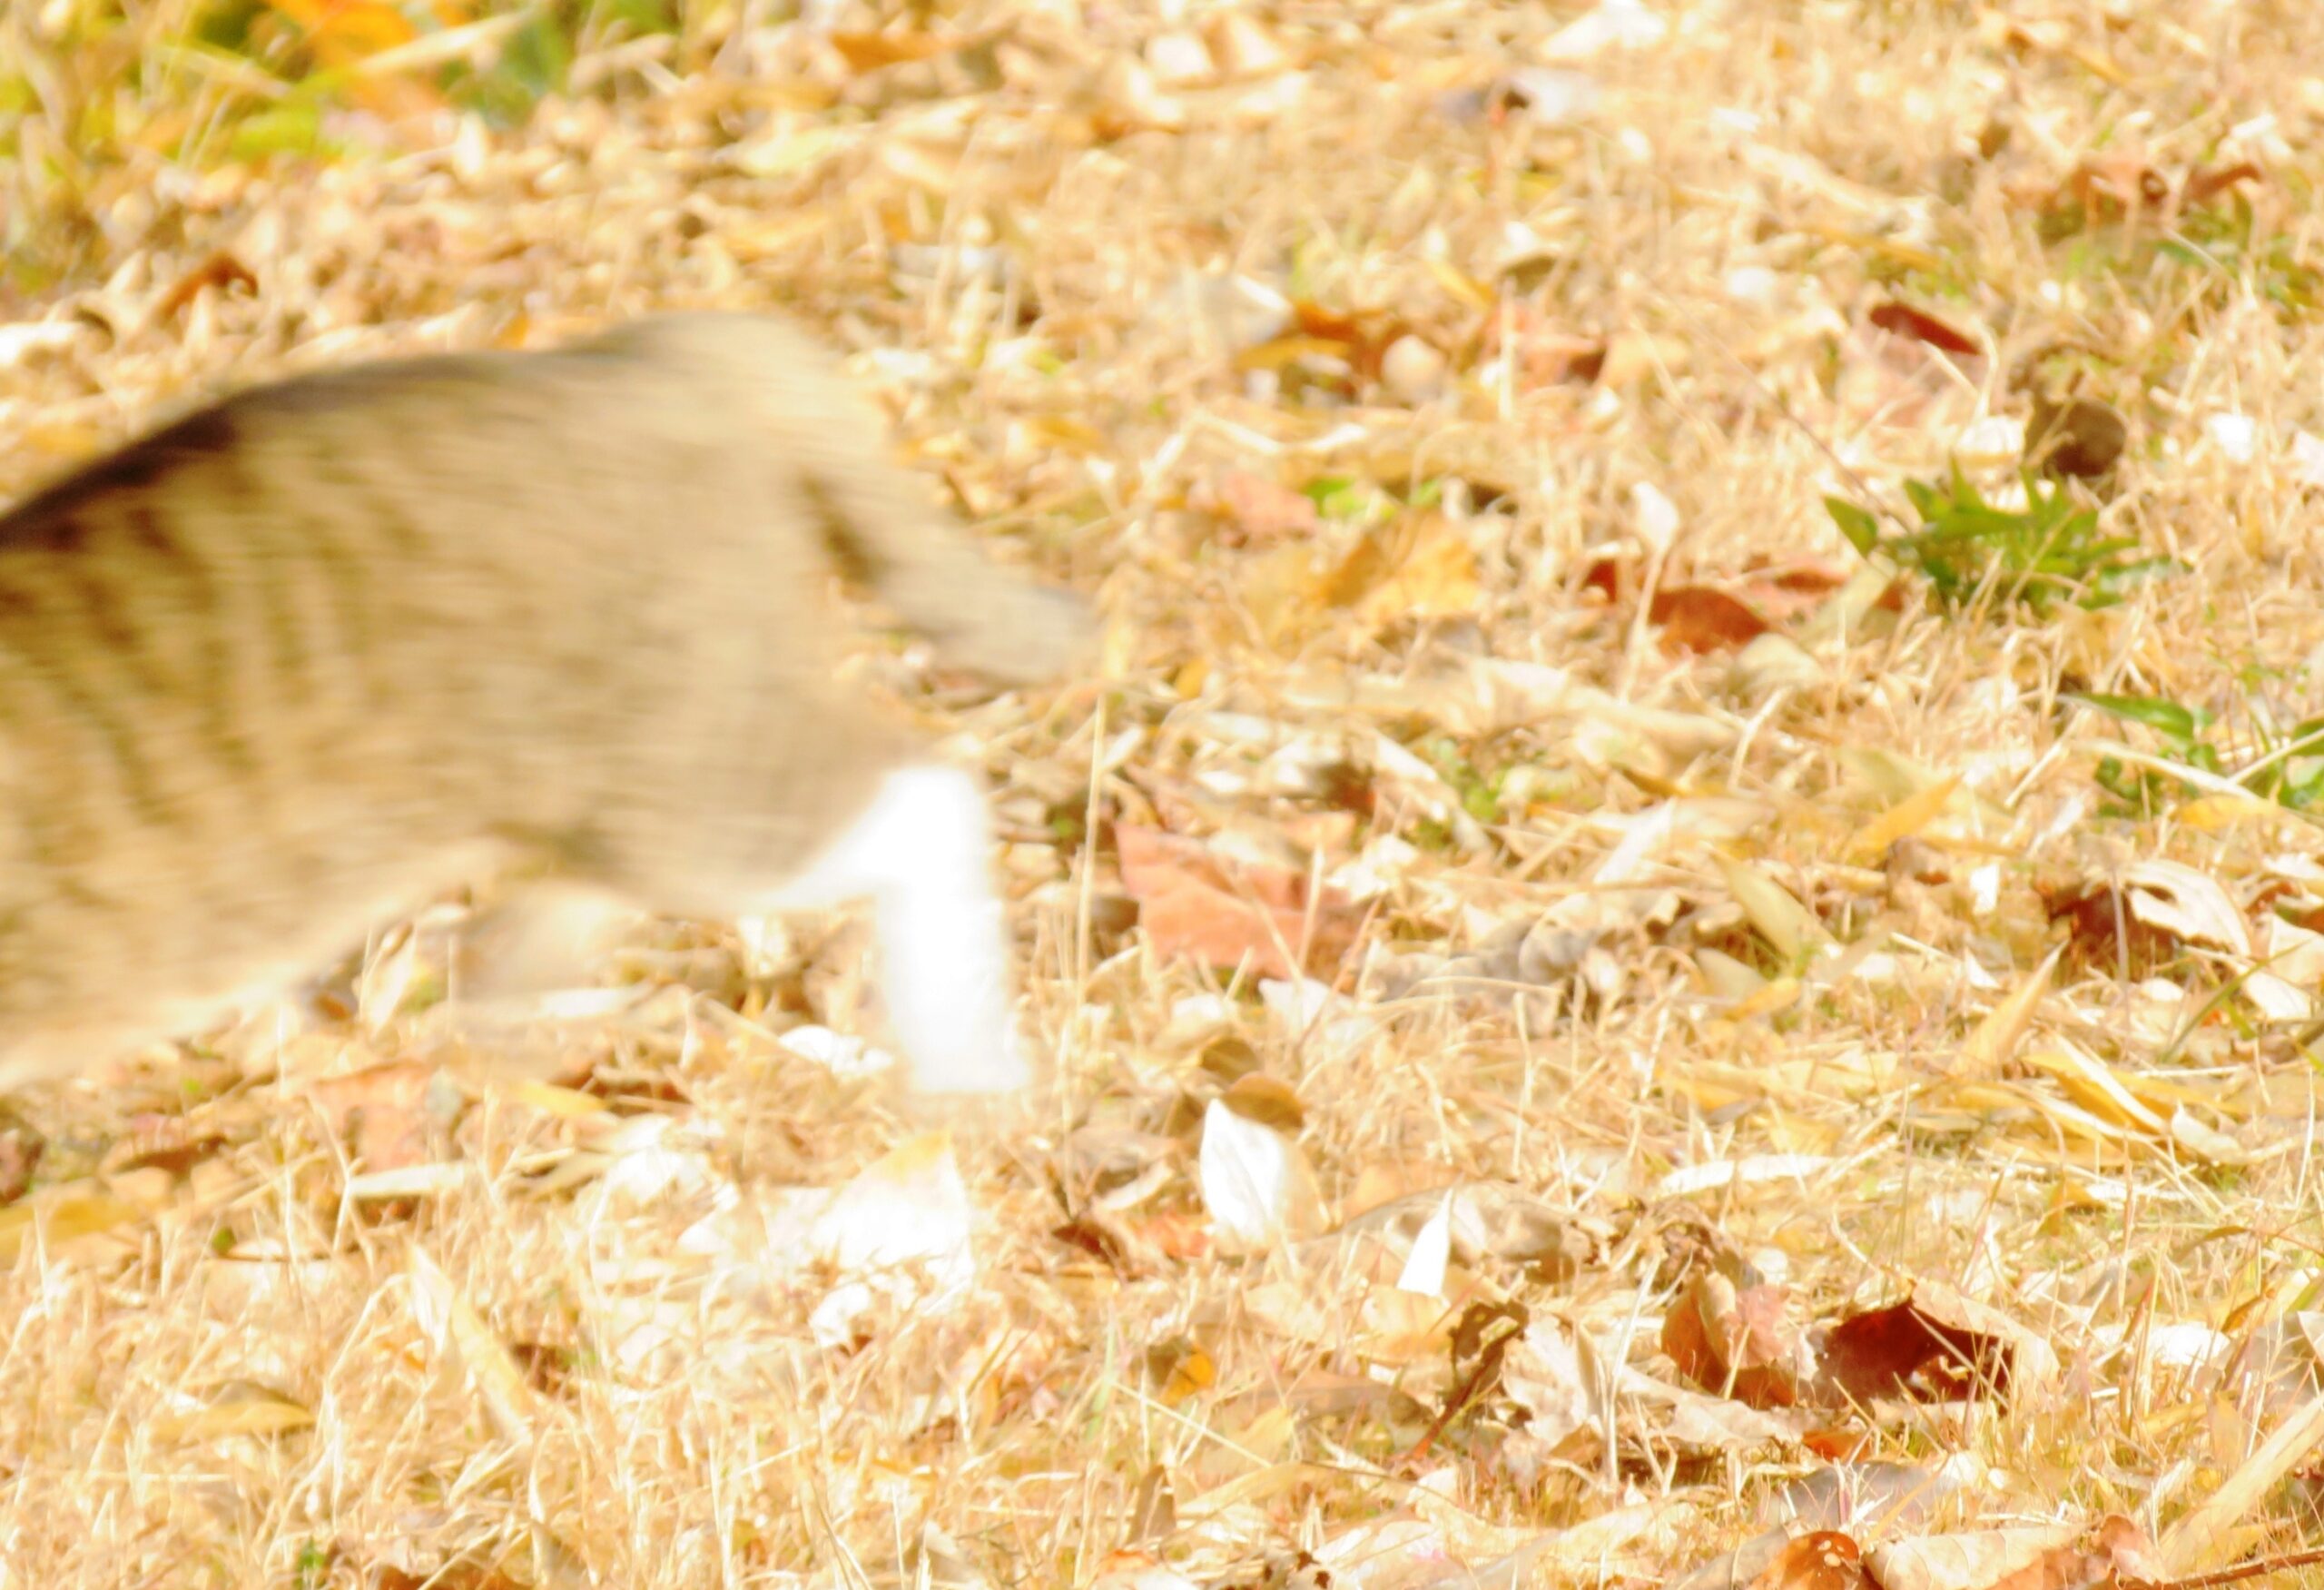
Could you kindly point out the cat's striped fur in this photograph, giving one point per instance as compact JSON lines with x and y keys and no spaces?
{"x":295,"y":662}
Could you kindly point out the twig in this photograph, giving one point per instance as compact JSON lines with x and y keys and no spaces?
{"x":2258,"y":1569}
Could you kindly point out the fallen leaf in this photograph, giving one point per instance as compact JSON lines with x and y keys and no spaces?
{"x":459,"y":1575}
{"x":1271,"y":1103}
{"x":2203,"y":1534}
{"x":2101,"y":927}
{"x":1549,"y":1372}
{"x":2081,"y":438}
{"x":2110,"y":1554}
{"x":1431,"y":1251}
{"x":2204,"y":183}
{"x":380,"y":1114}
{"x":1737,"y":1342}
{"x":1255,"y":1180}
{"x":909,"y":1207}
{"x":1260,"y":511}
{"x":869,"y":52}
{"x":1789,"y":927}
{"x":1902,"y":320}
{"x":1936,"y":1346}
{"x":220,"y":270}
{"x":1740,"y":1567}
{"x":1904,"y":820}
{"x":1860,"y":1495}
{"x":1972,"y":1560}
{"x":1996,"y":1037}
{"x":1822,"y":1559}
{"x":1195,"y":902}
{"x":1431,"y":573}
{"x":63,"y":1215}
{"x":1703,"y":618}
{"x":1152,"y":1513}
{"x":2190,"y":905}
{"x":508,"y":1400}
{"x":238,"y":1409}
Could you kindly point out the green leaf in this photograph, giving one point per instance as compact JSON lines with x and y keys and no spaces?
{"x":292,"y":127}
{"x":1861,"y":528}
{"x":2180,"y":723}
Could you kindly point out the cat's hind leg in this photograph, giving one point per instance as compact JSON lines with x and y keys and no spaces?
{"x":921,"y":852}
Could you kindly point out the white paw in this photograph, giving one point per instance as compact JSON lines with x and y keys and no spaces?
{"x":995,"y":1067}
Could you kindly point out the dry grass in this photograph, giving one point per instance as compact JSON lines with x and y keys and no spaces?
{"x":585,"y":1341}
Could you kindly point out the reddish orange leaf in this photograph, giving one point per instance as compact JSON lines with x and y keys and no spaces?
{"x":1823,"y":1560}
{"x":381,"y":1112}
{"x":220,"y":270}
{"x":1700,"y":619}
{"x":1194,"y":903}
{"x":1737,"y":1343}
{"x":1902,"y":320}
{"x":1259,"y":510}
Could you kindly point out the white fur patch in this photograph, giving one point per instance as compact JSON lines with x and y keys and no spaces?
{"x":922,"y":851}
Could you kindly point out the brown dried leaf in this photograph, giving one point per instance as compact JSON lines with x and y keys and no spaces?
{"x":1936,"y":1346}
{"x":1787,"y":592}
{"x":1703,"y":618}
{"x":2101,"y":927}
{"x":21,"y":1147}
{"x":1258,"y":510}
{"x":2081,"y":439}
{"x":2204,"y":183}
{"x":1193,"y":902}
{"x":1737,"y":1342}
{"x":1611,"y":577}
{"x":1823,"y":1559}
{"x":1903,"y":320}
{"x":463,"y":1575}
{"x":220,"y":270}
{"x":380,"y":1114}
{"x":1541,"y":353}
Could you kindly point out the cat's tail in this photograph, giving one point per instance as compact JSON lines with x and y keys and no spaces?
{"x":880,"y":530}
{"x":883,"y":535}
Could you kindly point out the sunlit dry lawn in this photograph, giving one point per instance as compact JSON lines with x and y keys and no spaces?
{"x":1702,"y":925}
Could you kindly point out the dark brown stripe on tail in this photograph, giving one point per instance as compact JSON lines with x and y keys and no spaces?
{"x":266,"y":560}
{"x":204,"y":610}
{"x":56,"y":518}
{"x":853,"y":557}
{"x":45,"y":669}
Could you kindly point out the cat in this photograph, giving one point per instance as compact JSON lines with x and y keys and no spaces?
{"x":301,"y":659}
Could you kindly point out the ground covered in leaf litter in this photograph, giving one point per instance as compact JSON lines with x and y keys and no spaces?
{"x":1598,"y":1027}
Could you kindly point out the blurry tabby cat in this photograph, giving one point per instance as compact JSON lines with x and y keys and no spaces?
{"x":299,"y":661}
